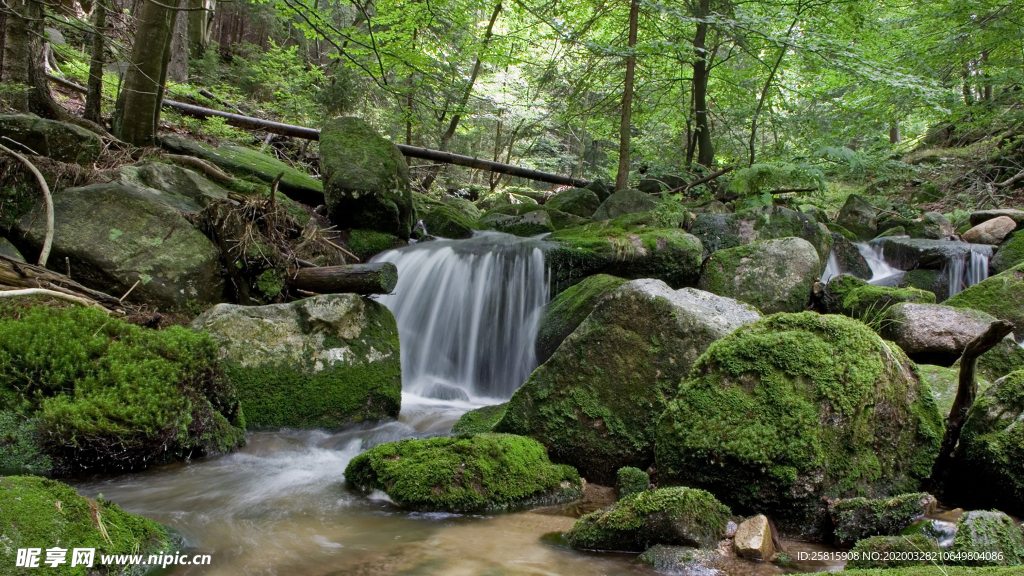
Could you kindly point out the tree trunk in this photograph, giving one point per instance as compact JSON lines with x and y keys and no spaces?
{"x":23,"y":75}
{"x":701,"y":72}
{"x":767,"y":86}
{"x":622,"y":176}
{"x":199,"y":26}
{"x":177,"y":68}
{"x":94,"y":99}
{"x":895,"y":137}
{"x":137,"y":111}
{"x":375,"y":278}
{"x":446,"y":138}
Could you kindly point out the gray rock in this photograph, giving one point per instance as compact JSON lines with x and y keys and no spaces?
{"x":933,"y":333}
{"x":931,"y":225}
{"x":578,"y":201}
{"x":7,"y":250}
{"x":57,"y":140}
{"x":442,"y":391}
{"x":171,"y":185}
{"x":598,"y":187}
{"x":772,"y":275}
{"x":815,"y":212}
{"x":859,"y":216}
{"x":54,"y":36}
{"x":627,"y":201}
{"x":720,"y":231}
{"x":849,"y":258}
{"x":683,"y":560}
{"x":991,"y":231}
{"x":913,"y":253}
{"x":979,"y":216}
{"x":322,"y":362}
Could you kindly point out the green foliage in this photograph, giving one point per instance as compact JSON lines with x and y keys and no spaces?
{"x":632,"y":480}
{"x":757,"y":181}
{"x":988,"y":538}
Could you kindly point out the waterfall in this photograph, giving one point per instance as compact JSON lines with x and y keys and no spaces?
{"x":881,"y":273}
{"x":966,"y":271}
{"x":831,"y":268}
{"x":467,"y":313}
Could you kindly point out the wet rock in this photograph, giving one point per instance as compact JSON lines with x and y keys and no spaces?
{"x":116,"y":235}
{"x":366,"y":179}
{"x":675,"y":516}
{"x":991,"y":231}
{"x":441,"y":391}
{"x":569,"y":309}
{"x":57,"y":140}
{"x":979,"y":216}
{"x":7,"y":250}
{"x":849,"y":258}
{"x":912,"y":253}
{"x":933,"y":333}
{"x":595,"y":403}
{"x":632,"y":480}
{"x":322,"y":362}
{"x":477,"y":473}
{"x":753,"y":539}
{"x":1009,"y":254}
{"x":784,"y":412}
{"x":1001,"y":296}
{"x":683,"y":560}
{"x":858,"y":216}
{"x":772,"y":275}
{"x":991,"y":537}
{"x":941,"y":532}
{"x":628,"y":201}
{"x":892,"y":552}
{"x":578,"y":201}
{"x":859,"y":518}
{"x":479,"y":420}
{"x":722,"y":231}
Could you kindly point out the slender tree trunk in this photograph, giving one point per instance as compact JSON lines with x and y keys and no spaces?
{"x":94,"y":98}
{"x":23,"y":74}
{"x":966,"y":89}
{"x":622,"y":176}
{"x":177,"y":68}
{"x":767,"y":86}
{"x":895,"y":137}
{"x":199,"y":26}
{"x":137,"y":111}
{"x":701,"y":72}
{"x":446,"y":138}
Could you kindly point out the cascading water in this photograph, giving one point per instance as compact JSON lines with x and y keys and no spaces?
{"x":467,"y":312}
{"x":831,"y":268}
{"x":882,"y":274}
{"x":966,"y":271}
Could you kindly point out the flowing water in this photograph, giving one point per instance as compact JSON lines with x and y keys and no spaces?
{"x":881,"y":273}
{"x":966,"y":271}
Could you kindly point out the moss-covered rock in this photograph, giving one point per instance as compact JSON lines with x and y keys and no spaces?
{"x":773,"y":275}
{"x":448,"y":222}
{"x":943,"y":383}
{"x":794,"y":408}
{"x":1005,"y":357}
{"x":988,"y":538}
{"x":533,"y":221}
{"x":569,"y":309}
{"x":631,"y":480}
{"x":8,"y":250}
{"x":815,"y":212}
{"x":836,"y":291}
{"x":1001,"y":295}
{"x":366,"y":179}
{"x":675,"y":516}
{"x":85,"y":391}
{"x":684,"y":560}
{"x":870,"y":303}
{"x":578,"y":201}
{"x":934,"y":281}
{"x":931,"y":225}
{"x":115,"y":235}
{"x":322,"y":362}
{"x":595,"y":403}
{"x":1009,"y":254}
{"x":722,"y":231}
{"x":176,"y":187}
{"x":628,"y":201}
{"x":368,"y":243}
{"x":40,"y":513}
{"x":479,"y":420}
{"x":859,"y":518}
{"x":859,"y":216}
{"x":482,"y":472}
{"x":670,"y":255}
{"x":57,"y":140}
{"x":500,"y":199}
{"x":892,"y":552}
{"x":849,"y":258}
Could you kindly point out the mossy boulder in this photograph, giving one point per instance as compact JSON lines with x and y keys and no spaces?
{"x":772,"y":275}
{"x":569,"y":309}
{"x":57,"y":140}
{"x":859,"y":518}
{"x":531,"y":222}
{"x":870,"y":303}
{"x":501,"y":199}
{"x":931,"y":225}
{"x":858,"y":216}
{"x":933,"y":333}
{"x":815,"y":212}
{"x":631,"y":480}
{"x":368,"y":243}
{"x":448,"y":222}
{"x":1001,"y":296}
{"x":1009,"y":254}
{"x":477,"y":473}
{"x":115,"y":235}
{"x":80,"y":390}
{"x":175,"y":186}
{"x":893,"y":552}
{"x":479,"y":420}
{"x":1005,"y":357}
{"x":595,"y":403}
{"x":929,"y":280}
{"x":8,"y":250}
{"x":943,"y":382}
{"x":722,"y":231}
{"x":41,"y":513}
{"x":674,"y":516}
{"x":621,"y":202}
{"x":795,"y":408}
{"x":366,"y":179}
{"x":321,"y":362}
{"x":666,"y":254}
{"x":988,"y":538}
{"x":578,"y":201}
{"x":684,"y":560}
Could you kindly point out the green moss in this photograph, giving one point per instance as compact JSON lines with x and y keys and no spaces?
{"x":676,"y":516}
{"x":368,"y":243}
{"x":1001,"y":295}
{"x":111,"y":395}
{"x":877,"y":552}
{"x":19,"y":444}
{"x":1010,"y":253}
{"x":756,"y":401}
{"x":923,"y":279}
{"x":448,"y":222}
{"x":869,"y":303}
{"x":992,"y":535}
{"x":632,"y":480}
{"x":1004,"y":358}
{"x":270,"y":283}
{"x":482,"y":472}
{"x":894,"y":231}
{"x":40,"y":513}
{"x":859,"y":518}
{"x":578,"y":201}
{"x":479,"y":420}
{"x":568,"y":310}
{"x":771,"y":275}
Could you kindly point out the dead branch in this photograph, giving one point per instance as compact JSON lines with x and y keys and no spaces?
{"x":209,"y":170}
{"x":44,"y":254}
{"x":700,"y":181}
{"x":52,"y":294}
{"x":21,"y":275}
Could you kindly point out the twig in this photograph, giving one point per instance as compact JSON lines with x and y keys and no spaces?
{"x":121,"y":299}
{"x":700,"y":181}
{"x":51,"y":294}
{"x":1009,"y":181}
{"x":343,"y":251}
{"x":209,"y":170}
{"x":273,"y":190}
{"x":44,"y":254}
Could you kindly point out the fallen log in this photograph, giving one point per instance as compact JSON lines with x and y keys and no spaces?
{"x":16,"y":274}
{"x":373,"y":278}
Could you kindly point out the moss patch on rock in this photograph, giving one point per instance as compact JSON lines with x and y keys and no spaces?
{"x":988,"y":538}
{"x":674,"y":516}
{"x":870,"y":303}
{"x":482,"y":472}
{"x":631,"y":480}
{"x":479,"y":420}
{"x":1001,"y":295}
{"x":569,"y":309}
{"x":1010,"y":253}
{"x":368,"y":243}
{"x":772,"y":275}
{"x":859,"y":518}
{"x":794,"y":408}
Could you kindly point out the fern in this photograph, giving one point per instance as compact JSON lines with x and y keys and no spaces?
{"x":757,"y":181}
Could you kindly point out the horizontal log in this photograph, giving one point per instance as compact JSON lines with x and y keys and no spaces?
{"x":373,"y":278}
{"x":21,"y":275}
{"x":250,"y":123}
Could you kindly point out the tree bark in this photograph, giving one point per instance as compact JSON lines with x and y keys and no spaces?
{"x":701,"y":72}
{"x":177,"y":68}
{"x":23,"y":74}
{"x":137,"y":111}
{"x":767,"y":86}
{"x":199,"y":26}
{"x":22,"y":275}
{"x":94,"y":99}
{"x":622,"y":176}
{"x":375,"y":278}
{"x":894,"y":132}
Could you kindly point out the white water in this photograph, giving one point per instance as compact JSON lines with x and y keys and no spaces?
{"x":881,"y":272}
{"x":467,"y":312}
{"x":966,"y":271}
{"x":831,"y":268}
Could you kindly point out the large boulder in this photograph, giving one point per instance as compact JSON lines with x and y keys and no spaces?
{"x":795,"y":408}
{"x":988,"y":538}
{"x":859,"y":216}
{"x":979,"y":216}
{"x":667,"y":254}
{"x":595,"y":403}
{"x":858,"y":518}
{"x":569,"y":309}
{"x":991,"y":231}
{"x":366,"y":179}
{"x":1001,"y":295}
{"x":57,"y":140}
{"x":480,"y":420}
{"x":849,"y":259}
{"x":628,"y":201}
{"x":174,"y":186}
{"x":116,"y":235}
{"x":912,"y":253}
{"x":674,"y":516}
{"x":8,"y":250}
{"x":322,"y":362}
{"x":448,"y":222}
{"x":578,"y":201}
{"x":720,"y":231}
{"x":866,"y":302}
{"x":931,"y":225}
{"x":933,"y":333}
{"x":477,"y":473}
{"x":773,"y":275}
{"x":1009,"y":254}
